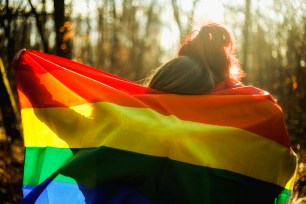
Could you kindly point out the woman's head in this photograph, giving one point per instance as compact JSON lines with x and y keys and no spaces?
{"x":182,"y":75}
{"x":213,"y":46}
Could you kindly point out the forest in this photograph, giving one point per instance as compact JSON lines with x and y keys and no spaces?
{"x":129,"y":38}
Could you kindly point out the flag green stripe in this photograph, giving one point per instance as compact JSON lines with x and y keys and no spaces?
{"x":151,"y":175}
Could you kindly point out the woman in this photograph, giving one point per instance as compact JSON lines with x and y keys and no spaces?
{"x":211,"y":62}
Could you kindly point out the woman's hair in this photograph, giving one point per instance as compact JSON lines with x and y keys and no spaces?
{"x":182,"y":75}
{"x":213,"y":46}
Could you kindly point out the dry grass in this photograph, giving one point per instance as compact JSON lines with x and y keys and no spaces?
{"x":11,"y":170}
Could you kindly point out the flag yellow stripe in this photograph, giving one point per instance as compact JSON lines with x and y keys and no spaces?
{"x":145,"y":131}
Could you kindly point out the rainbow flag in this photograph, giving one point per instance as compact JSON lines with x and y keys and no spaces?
{"x":91,"y":137}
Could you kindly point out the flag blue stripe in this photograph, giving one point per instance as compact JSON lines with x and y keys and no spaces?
{"x":61,"y":192}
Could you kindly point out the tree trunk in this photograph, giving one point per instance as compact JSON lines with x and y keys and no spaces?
{"x":245,"y":48}
{"x":62,"y":46}
{"x":8,"y":108}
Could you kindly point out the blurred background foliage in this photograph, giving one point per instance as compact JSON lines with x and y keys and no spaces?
{"x":131,"y":37}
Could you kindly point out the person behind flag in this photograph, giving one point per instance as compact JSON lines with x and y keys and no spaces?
{"x":206,"y":62}
{"x":181,"y":75}
{"x":105,"y":139}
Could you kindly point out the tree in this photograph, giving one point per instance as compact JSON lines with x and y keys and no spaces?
{"x":184,"y":28}
{"x":128,"y":37}
{"x":9,"y":116}
{"x":62,"y":44}
{"x":246,"y":33}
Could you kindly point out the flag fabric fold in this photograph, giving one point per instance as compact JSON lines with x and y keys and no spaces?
{"x":92,"y":137}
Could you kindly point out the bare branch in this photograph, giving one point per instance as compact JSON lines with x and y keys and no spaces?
{"x":176,"y":14}
{"x":191,"y":16}
{"x":39,"y":27}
